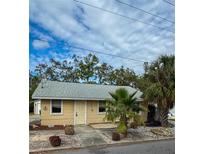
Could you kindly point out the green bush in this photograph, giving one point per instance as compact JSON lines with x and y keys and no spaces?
{"x":139,"y":120}
{"x":122,"y":128}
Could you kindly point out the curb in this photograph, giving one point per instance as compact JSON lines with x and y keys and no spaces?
{"x":100,"y":145}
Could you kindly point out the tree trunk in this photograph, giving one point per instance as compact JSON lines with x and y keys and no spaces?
{"x":124,"y":120}
{"x":164,"y":117}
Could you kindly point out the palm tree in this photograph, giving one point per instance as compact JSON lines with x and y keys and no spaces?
{"x":160,"y":85}
{"x":123,"y":106}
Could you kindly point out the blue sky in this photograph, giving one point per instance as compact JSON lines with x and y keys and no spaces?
{"x":58,"y":24}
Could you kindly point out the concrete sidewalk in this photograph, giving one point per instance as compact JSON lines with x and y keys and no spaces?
{"x":86,"y":136}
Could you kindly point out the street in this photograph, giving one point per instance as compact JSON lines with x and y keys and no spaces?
{"x":157,"y":147}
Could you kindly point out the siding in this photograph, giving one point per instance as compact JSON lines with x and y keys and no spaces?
{"x":92,"y":113}
{"x":65,"y":118}
{"x":68,"y":110}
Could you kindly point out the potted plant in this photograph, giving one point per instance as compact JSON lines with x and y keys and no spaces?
{"x":69,"y":130}
{"x":55,"y":141}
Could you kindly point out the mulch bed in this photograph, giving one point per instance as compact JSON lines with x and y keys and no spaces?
{"x":40,"y":127}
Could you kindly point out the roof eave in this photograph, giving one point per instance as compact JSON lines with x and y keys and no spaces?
{"x":82,"y":98}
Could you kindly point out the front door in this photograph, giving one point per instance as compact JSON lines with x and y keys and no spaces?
{"x":80,"y":114}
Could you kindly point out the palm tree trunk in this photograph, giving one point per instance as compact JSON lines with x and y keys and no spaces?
{"x":124,"y":120}
{"x":164,"y":117}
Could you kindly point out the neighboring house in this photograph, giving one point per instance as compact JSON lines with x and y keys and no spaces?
{"x":37,"y":106}
{"x":74,"y":103}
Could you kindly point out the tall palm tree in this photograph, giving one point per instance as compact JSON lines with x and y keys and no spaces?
{"x":123,"y":106}
{"x":160,"y":85}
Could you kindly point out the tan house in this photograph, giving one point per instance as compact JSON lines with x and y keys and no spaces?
{"x":74,"y":103}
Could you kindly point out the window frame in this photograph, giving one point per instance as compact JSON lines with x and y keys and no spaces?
{"x":99,"y":107}
{"x":51,"y":113}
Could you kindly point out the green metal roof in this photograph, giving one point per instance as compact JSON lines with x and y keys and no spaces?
{"x":77,"y":91}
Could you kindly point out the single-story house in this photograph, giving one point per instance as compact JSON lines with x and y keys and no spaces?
{"x":74,"y":103}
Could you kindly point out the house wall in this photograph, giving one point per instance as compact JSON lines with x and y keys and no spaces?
{"x":92,"y":113}
{"x":68,"y":113}
{"x":63,"y":119}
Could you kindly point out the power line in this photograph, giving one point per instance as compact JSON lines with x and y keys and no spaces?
{"x":121,"y":15}
{"x":144,"y":11}
{"x":97,"y":51}
{"x":168,"y":2}
{"x":75,"y":47}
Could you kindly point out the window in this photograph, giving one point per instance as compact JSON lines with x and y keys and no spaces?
{"x":101,"y":107}
{"x":56,"y":107}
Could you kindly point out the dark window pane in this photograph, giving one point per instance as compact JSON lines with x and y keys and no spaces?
{"x":56,"y":106}
{"x":101,"y":106}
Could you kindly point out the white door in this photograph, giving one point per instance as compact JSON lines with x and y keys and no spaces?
{"x":80,"y":112}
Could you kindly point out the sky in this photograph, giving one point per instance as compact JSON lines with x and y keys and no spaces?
{"x":56,"y":27}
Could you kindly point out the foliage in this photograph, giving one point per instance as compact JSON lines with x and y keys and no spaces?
{"x":123,"y":106}
{"x":33,"y":83}
{"x":121,"y":127}
{"x":88,"y":67}
{"x":139,"y":120}
{"x":125,"y":77}
{"x":105,"y":74}
{"x":158,"y":85}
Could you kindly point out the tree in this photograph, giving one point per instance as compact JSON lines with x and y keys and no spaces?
{"x":125,"y":77}
{"x":158,"y":85}
{"x":41,"y":70}
{"x":104,"y":73}
{"x":123,"y":106}
{"x":87,"y":68}
{"x":69,"y":72}
{"x":34,"y":80}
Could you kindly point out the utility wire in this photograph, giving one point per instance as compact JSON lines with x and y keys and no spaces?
{"x":144,"y":11}
{"x":121,"y":15}
{"x":75,"y":47}
{"x":96,"y":51}
{"x":168,"y":2}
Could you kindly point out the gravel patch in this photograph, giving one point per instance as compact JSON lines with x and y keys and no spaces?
{"x":87,"y":136}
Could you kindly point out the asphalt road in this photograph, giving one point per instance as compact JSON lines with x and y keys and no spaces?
{"x":157,"y":147}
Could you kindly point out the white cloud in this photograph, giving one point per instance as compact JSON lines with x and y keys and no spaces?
{"x":40,"y":44}
{"x":91,"y":28}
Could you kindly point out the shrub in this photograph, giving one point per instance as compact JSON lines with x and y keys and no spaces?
{"x":139,"y":120}
{"x":69,"y":130}
{"x":121,"y":128}
{"x":115,"y":136}
{"x":133,"y":125}
{"x":55,"y":141}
